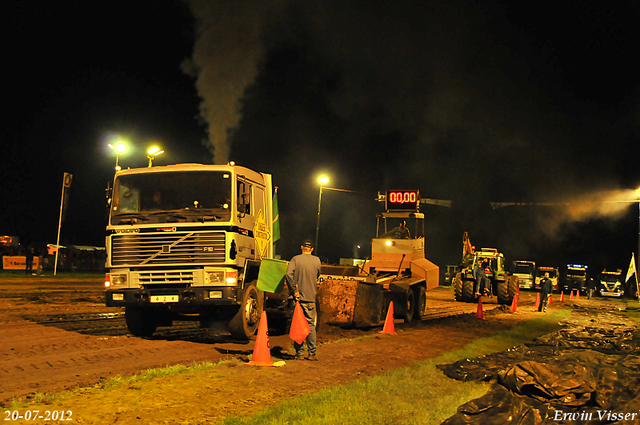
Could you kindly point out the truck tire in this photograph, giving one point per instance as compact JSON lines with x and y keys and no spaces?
{"x":457,"y":287}
{"x":420,"y":295}
{"x":467,"y":291}
{"x":410,"y":306}
{"x":245,"y":323}
{"x":141,"y":321}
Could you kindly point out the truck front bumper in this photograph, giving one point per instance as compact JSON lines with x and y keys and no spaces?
{"x":182,"y":297}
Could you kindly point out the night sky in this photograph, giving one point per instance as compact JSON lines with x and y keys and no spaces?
{"x":468,"y":101}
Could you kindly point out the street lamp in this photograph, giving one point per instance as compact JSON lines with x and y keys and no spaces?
{"x":152,"y":153}
{"x":323,"y":180}
{"x":118,"y":148}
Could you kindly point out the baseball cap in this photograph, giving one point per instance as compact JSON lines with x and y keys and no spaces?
{"x":307,"y":243}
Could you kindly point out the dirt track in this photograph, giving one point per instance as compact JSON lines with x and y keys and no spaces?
{"x":59,"y":335}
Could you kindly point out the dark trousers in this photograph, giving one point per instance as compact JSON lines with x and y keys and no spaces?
{"x":309,"y":310}
{"x":544,"y":301}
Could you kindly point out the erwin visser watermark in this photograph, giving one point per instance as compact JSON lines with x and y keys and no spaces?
{"x":603,"y":415}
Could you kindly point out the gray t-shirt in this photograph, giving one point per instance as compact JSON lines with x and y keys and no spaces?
{"x":302,"y":273}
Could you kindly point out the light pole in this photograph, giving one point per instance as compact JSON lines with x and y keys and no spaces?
{"x":152,"y":153}
{"x":322,"y":180}
{"x":118,"y":149}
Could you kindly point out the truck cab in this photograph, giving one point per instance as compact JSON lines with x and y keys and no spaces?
{"x":185,"y":240}
{"x":526,"y":272}
{"x":611,"y":284}
{"x":575,"y":278}
{"x":553,"y":276}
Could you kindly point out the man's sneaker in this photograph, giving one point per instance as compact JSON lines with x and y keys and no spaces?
{"x":299,"y":357}
{"x":312,"y":358}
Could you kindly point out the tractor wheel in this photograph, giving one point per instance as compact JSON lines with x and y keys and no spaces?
{"x":503,"y":292}
{"x":141,"y":321}
{"x":410,"y":306}
{"x":467,"y":291}
{"x":245,"y":323}
{"x":513,"y":286}
{"x":507,"y":289}
{"x":421,"y":302}
{"x":457,"y":287}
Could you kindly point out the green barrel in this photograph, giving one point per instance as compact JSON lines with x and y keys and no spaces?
{"x":272,"y":274}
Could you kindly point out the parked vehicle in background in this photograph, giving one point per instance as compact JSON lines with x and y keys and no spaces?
{"x":526,"y":272}
{"x":575,"y":277}
{"x":553,"y":276}
{"x":452,"y":269}
{"x":611,"y":284}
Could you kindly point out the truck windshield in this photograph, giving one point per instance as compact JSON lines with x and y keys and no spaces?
{"x":523,"y":269}
{"x":170,"y":197}
{"x":552,"y":273}
{"x":610,"y":278}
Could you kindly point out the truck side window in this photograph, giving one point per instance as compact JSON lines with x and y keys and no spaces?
{"x":244,"y":197}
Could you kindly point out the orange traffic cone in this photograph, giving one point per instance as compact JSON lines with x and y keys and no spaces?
{"x":577,"y":294}
{"x":389,"y":326}
{"x":571,"y":296}
{"x":514,"y":304}
{"x":550,"y":299}
{"x":480,"y":311}
{"x":562,"y":296}
{"x":261,"y":350}
{"x":537,"y":303}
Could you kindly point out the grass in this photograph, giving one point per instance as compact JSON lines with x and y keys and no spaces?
{"x":419,"y":394}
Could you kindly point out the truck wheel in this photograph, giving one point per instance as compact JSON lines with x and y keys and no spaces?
{"x":467,"y":291}
{"x":141,"y":321}
{"x":410,"y":306}
{"x":245,"y":323}
{"x":421,"y":302}
{"x":457,"y":287}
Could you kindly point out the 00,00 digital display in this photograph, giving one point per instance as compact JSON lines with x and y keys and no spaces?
{"x":402,"y":199}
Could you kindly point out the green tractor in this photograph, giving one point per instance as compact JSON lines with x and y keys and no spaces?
{"x":501,"y":284}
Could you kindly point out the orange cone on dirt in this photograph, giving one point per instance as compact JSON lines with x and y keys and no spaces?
{"x":514,"y":304}
{"x":571,"y":296}
{"x":550,"y":299}
{"x":480,"y":311}
{"x":261,"y":350}
{"x":577,"y":294}
{"x":562,"y":296}
{"x":537,"y":303}
{"x":389,"y":326}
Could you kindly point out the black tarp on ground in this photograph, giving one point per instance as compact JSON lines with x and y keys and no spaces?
{"x":586,"y":373}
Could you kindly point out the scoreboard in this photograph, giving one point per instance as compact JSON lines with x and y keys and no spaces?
{"x":402,"y":200}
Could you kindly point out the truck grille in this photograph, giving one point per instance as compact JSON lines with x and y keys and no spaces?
{"x":174,"y":278}
{"x":167,"y":248}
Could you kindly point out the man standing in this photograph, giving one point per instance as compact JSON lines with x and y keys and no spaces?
{"x":546,"y":287}
{"x":482,"y":281}
{"x":302,"y":279}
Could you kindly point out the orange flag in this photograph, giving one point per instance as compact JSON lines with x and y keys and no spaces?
{"x":299,"y":325}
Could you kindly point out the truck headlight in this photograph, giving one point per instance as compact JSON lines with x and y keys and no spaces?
{"x":117,"y":281}
{"x":214,"y":278}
